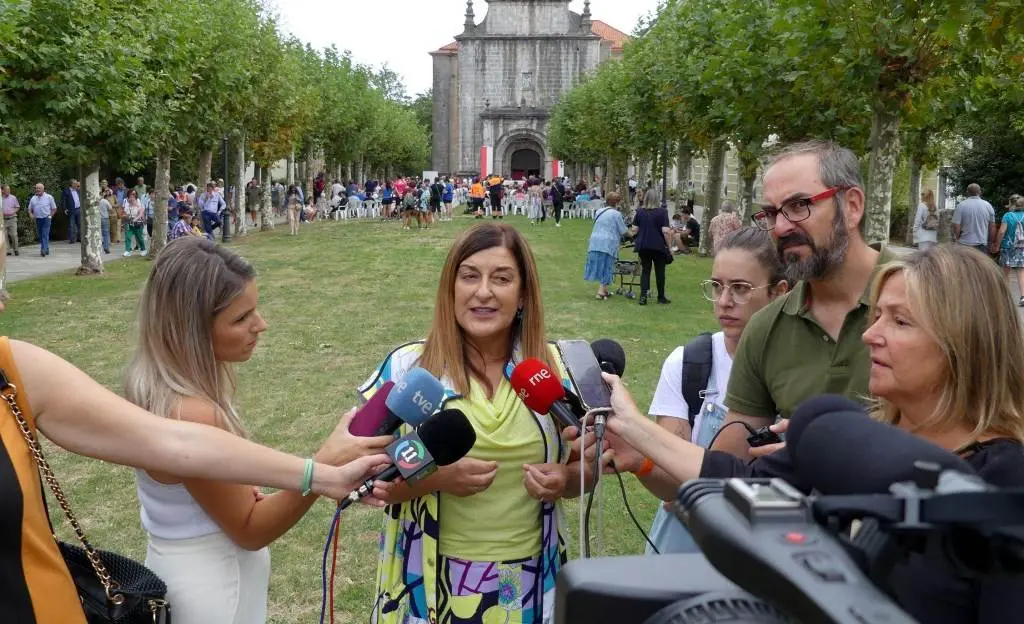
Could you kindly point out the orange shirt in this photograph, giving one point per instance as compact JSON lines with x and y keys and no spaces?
{"x":477,"y":190}
{"x":38,"y":587}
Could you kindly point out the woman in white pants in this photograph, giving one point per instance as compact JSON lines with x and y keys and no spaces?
{"x":208,"y":539}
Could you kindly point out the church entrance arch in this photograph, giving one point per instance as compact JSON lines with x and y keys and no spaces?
{"x":526,"y":162}
{"x":520,"y":154}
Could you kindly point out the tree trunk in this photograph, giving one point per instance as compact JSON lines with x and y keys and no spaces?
{"x":289,"y":176}
{"x":915,"y":198}
{"x":609,"y":176}
{"x":307,"y":177}
{"x":359,"y":171}
{"x":162,"y":182}
{"x":348,"y":173}
{"x":885,"y":149}
{"x":205,"y":167}
{"x":266,"y":207}
{"x":684,"y":162}
{"x":238,"y":200}
{"x":92,"y":237}
{"x":748,"y":174}
{"x":716,"y":163}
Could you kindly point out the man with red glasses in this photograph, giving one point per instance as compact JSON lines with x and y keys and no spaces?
{"x":807,"y":342}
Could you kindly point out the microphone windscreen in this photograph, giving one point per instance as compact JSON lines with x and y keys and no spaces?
{"x":372,"y":415}
{"x":536,"y":385}
{"x":849,"y":453}
{"x":814,"y":407}
{"x":448,"y":435}
{"x":610,"y":355}
{"x":415,"y":397}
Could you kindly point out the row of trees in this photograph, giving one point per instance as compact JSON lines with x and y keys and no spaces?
{"x":890,"y":80}
{"x":127,"y":83}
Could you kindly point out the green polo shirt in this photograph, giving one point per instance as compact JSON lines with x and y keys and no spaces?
{"x":785,"y":357}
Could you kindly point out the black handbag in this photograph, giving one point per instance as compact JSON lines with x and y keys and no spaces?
{"x":113,"y":589}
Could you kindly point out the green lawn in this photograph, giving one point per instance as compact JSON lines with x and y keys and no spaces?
{"x":338,"y":298}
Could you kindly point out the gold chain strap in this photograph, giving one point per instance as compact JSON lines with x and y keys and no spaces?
{"x":8,"y":393}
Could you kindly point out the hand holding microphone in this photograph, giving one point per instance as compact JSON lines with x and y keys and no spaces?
{"x":441,"y":440}
{"x":342,"y":446}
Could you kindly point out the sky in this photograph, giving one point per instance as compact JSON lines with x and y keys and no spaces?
{"x":401,"y":33}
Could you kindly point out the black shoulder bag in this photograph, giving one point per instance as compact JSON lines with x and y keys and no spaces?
{"x":113,"y":589}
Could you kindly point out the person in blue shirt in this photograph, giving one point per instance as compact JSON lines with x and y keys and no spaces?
{"x":447,"y":197}
{"x":603,"y":250}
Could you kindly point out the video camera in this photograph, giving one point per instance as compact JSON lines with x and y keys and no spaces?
{"x":779,"y":556}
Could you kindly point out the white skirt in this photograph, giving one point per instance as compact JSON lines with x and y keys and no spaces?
{"x":211,"y":580}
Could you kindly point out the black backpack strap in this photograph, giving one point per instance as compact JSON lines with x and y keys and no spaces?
{"x":696,"y":372}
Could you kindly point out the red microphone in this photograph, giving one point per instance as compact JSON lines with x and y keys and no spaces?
{"x":538,"y":387}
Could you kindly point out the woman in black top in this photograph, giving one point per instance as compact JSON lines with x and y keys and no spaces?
{"x":947,"y":364}
{"x":652,"y":245}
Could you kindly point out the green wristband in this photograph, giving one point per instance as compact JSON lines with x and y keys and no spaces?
{"x":307,"y":478}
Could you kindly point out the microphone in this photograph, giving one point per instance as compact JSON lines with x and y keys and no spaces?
{"x":612,"y":359}
{"x":373,"y":414}
{"x":442,"y":439}
{"x":541,"y":391}
{"x":413,"y":398}
{"x":837,"y":449}
{"x":610,"y":356}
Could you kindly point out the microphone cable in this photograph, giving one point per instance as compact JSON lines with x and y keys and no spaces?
{"x":327,"y":599}
{"x":599,"y":415}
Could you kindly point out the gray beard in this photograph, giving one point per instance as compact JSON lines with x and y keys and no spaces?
{"x":823,"y":260}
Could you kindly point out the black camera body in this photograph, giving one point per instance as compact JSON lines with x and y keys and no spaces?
{"x":770,"y":555}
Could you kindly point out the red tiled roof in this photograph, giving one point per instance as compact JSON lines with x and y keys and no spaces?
{"x":608,"y":33}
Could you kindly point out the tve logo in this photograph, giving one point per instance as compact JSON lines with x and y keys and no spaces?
{"x":541,"y":375}
{"x":409,"y":454}
{"x":426,"y":407}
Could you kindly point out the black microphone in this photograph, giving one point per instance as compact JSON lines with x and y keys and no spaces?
{"x":610,"y":356}
{"x":836,"y":448}
{"x":442,"y":439}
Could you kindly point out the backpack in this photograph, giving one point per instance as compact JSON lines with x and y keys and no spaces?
{"x":931,"y":221}
{"x":697,"y":359}
{"x":1018,"y":234}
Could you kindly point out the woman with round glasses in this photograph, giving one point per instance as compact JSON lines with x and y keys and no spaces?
{"x":746,"y":275}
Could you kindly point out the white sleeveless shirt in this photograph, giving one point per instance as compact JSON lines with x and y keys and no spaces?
{"x":169,"y":511}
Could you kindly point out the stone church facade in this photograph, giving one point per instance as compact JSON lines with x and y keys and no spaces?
{"x":496,"y":85}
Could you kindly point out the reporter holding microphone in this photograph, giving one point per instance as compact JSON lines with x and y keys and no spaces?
{"x":208,"y":539}
{"x":83,"y":417}
{"x":947,"y":364}
{"x":480,"y":540}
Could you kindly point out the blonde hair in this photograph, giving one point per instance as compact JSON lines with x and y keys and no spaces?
{"x":983,"y":351}
{"x":928,"y":198}
{"x":191,"y":282}
{"x":446,"y":339}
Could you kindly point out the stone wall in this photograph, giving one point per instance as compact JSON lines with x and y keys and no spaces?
{"x":524,"y":72}
{"x":445,"y":154}
{"x":526,"y":17}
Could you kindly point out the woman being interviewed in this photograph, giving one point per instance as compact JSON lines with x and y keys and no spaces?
{"x":479,"y":541}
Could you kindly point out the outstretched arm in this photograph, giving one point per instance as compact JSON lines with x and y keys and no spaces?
{"x":86,"y":418}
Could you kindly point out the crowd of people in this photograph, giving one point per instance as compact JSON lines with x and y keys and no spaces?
{"x":805,"y":306}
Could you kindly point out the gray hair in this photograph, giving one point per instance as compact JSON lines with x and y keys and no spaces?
{"x":191,"y":282}
{"x":837,"y":166}
{"x":728,"y":206}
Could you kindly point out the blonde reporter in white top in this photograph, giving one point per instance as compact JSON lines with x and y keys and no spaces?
{"x":208,"y":539}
